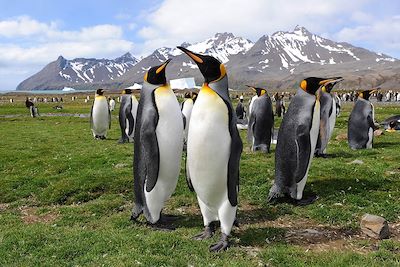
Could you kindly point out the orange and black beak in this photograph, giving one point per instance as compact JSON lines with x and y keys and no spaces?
{"x":210,"y":67}
{"x":327,"y":85}
{"x":156,"y":75}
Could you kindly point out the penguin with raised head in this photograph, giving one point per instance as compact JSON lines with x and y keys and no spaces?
{"x":361,"y":125}
{"x":187,"y":106}
{"x":100,"y":116}
{"x":328,"y":117}
{"x":127,"y":116}
{"x":261,"y":122}
{"x":157,"y":147}
{"x":297,"y":138}
{"x":213,"y":150}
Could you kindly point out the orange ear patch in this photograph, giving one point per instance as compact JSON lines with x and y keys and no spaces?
{"x":303,"y":85}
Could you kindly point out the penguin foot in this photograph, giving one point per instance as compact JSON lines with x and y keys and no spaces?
{"x":208,"y":232}
{"x":161,"y":226}
{"x":102,"y":137}
{"x":223,"y":244}
{"x":123,"y":140}
{"x":165,"y":218}
{"x":307,"y":201}
{"x":321,"y":155}
{"x":236,"y":223}
{"x":282,"y":199}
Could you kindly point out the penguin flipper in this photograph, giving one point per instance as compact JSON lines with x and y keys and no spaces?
{"x":234,"y":158}
{"x":184,"y":121}
{"x":131,"y":120}
{"x":151,"y":151}
{"x":303,"y":144}
{"x":91,"y":117}
{"x":109,"y":118}
{"x":250,"y":128}
{"x":188,"y":181}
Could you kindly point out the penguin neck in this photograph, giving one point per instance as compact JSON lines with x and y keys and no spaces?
{"x":99,"y":96}
{"x":220,"y":87}
{"x":302,"y":93}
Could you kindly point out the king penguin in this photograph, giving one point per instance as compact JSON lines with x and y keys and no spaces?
{"x":213,"y":151}
{"x":127,"y":116}
{"x":187,"y":106}
{"x":361,"y":125}
{"x":261,"y":123}
{"x":328,"y":117}
{"x":297,"y":138}
{"x":157,"y":147}
{"x":100,"y":116}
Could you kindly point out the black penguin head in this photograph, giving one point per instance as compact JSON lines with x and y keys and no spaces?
{"x":259,"y":91}
{"x":127,"y":92}
{"x":330,"y":84}
{"x":312,"y":84}
{"x":99,"y":91}
{"x":367,"y":93}
{"x":210,"y":67}
{"x":156,"y":75}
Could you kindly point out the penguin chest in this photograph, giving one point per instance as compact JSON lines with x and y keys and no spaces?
{"x":169,"y":132}
{"x":314,"y":131}
{"x":208,"y":147}
{"x":332,"y":118}
{"x":100,"y":114}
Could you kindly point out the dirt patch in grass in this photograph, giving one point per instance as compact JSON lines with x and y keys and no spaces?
{"x":4,"y":206}
{"x":259,"y":228}
{"x":29,"y":215}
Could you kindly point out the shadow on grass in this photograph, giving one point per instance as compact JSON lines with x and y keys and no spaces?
{"x":333,"y":186}
{"x":261,"y":237}
{"x":384,"y":144}
{"x":340,"y":154}
{"x":263,"y":214}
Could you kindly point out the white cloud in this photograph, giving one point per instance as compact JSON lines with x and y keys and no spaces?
{"x":24,"y":26}
{"x":381,"y":35}
{"x":27,"y":45}
{"x":176,"y":21}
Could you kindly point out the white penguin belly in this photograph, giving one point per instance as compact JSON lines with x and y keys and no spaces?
{"x":332,"y":121}
{"x":187,"y":111}
{"x":208,"y":148}
{"x":100,"y":116}
{"x":169,"y":133}
{"x":314,"y":131}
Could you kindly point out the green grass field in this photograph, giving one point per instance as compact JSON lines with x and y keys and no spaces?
{"x":66,"y":199}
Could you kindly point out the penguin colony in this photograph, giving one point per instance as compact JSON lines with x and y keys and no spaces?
{"x":207,"y":125}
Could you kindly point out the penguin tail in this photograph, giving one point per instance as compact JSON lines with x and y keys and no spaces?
{"x":274,"y":192}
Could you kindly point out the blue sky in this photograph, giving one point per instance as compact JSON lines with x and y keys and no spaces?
{"x":35,"y":32}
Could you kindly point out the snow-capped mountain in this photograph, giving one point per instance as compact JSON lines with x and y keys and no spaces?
{"x":284,"y":51}
{"x":279,"y":60}
{"x":78,"y":72}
